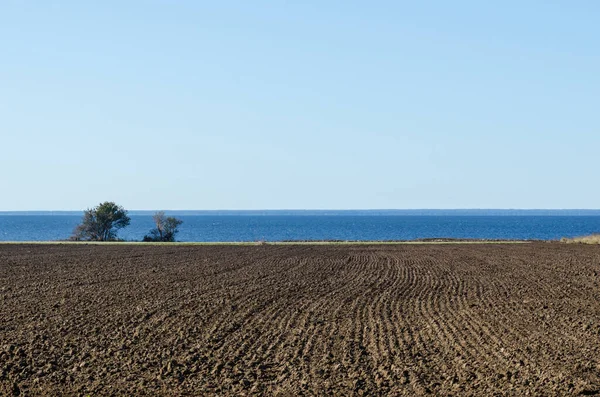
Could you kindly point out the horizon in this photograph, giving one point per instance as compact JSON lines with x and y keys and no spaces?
{"x":399,"y":211}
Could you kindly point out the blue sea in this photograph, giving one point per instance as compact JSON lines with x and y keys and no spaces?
{"x":324,"y":225}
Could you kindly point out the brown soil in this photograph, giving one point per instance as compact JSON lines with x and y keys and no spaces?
{"x":300,"y":320}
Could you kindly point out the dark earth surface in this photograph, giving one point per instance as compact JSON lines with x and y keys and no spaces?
{"x":445,"y":319}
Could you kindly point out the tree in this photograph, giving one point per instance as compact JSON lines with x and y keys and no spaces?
{"x":166,"y":228}
{"x":101,"y":223}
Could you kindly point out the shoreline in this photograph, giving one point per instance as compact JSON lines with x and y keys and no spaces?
{"x":295,"y":242}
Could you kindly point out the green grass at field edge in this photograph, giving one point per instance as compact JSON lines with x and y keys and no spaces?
{"x":252,"y":243}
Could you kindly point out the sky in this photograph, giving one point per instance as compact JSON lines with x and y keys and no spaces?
{"x":194,"y":104}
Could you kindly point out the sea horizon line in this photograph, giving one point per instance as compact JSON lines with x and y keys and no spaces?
{"x":334,"y":212}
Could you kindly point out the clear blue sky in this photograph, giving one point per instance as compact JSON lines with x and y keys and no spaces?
{"x":299,"y":104}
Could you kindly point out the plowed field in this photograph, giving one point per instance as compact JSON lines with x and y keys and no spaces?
{"x":463,"y":319}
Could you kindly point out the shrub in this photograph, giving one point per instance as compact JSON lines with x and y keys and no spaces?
{"x":165,"y":228}
{"x":101,"y":223}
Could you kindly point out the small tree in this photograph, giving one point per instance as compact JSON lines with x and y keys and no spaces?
{"x":166,"y":228}
{"x":101,"y":223}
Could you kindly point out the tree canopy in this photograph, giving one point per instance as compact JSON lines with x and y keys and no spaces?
{"x":101,"y":223}
{"x":165,"y":228}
